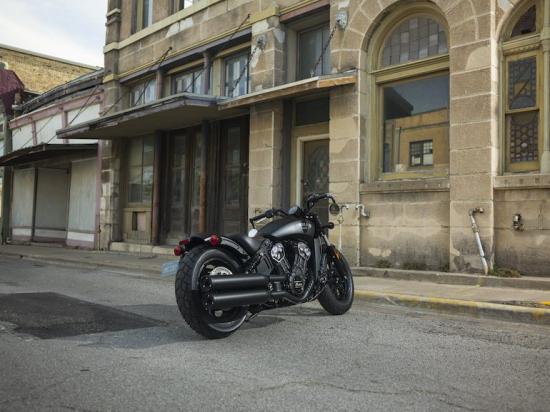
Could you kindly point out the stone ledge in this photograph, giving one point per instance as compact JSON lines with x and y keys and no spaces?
{"x":521,"y":182}
{"x":526,"y":282}
{"x":404,"y":186}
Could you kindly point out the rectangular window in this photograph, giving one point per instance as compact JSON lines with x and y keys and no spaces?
{"x":416,"y":124}
{"x":182,"y":4}
{"x":522,"y":114}
{"x":421,"y":153}
{"x":236,"y":75}
{"x":147,"y":19}
{"x":140,"y":170}
{"x":142,"y":14}
{"x":143,"y":93}
{"x":311,"y":44}
{"x":189,"y":82}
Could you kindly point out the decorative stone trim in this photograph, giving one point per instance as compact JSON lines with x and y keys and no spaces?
{"x":522,"y":181}
{"x":406,"y":186}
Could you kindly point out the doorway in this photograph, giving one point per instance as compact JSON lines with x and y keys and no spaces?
{"x":233,"y":179}
{"x":313,"y":171}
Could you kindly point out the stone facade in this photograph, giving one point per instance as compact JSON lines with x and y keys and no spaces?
{"x":416,"y":219}
{"x":38,"y":72}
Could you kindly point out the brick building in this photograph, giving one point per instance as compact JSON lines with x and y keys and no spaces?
{"x":422,"y":112}
{"x":40,"y":72}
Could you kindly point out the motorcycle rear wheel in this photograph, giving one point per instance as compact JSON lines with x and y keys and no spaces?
{"x":200,"y":262}
{"x":337,"y":297}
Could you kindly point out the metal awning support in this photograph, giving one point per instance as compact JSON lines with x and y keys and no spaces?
{"x":171,"y":113}
{"x":46,"y":151}
{"x":295,"y":89}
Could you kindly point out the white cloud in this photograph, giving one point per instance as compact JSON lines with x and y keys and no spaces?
{"x":69,"y":29}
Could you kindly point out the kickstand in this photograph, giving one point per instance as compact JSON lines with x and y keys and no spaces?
{"x":250,"y":316}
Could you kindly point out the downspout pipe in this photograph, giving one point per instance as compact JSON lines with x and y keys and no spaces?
{"x":475,"y":229}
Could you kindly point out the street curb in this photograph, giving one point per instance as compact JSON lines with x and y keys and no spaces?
{"x":453,"y":278}
{"x":461,"y":307}
{"x":76,"y":263}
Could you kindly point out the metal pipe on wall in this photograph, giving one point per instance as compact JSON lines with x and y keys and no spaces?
{"x":475,"y":229}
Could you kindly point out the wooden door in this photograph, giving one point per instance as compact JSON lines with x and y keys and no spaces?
{"x":233,"y":180}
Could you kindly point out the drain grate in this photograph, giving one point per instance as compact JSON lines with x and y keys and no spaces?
{"x":50,"y":315}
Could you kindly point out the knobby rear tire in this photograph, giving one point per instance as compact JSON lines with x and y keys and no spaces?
{"x":189,"y":300}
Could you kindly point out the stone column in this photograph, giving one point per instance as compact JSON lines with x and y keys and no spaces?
{"x":266,"y":119}
{"x":545,"y":35}
{"x":267,"y":63}
{"x":473,"y":141}
{"x":265,"y":162}
{"x":109,"y":208}
{"x":344,"y":170}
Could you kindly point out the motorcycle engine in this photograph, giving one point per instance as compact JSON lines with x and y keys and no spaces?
{"x":298,"y":272}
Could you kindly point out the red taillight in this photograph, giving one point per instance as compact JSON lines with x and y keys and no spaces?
{"x":178,"y":251}
{"x":215,"y":240}
{"x":185,"y":242}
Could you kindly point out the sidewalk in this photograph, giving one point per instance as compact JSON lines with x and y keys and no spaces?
{"x":525,"y":299}
{"x":141,"y":264}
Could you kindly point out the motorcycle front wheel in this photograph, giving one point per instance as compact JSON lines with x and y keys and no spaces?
{"x":337,"y":297}
{"x":199,"y":262}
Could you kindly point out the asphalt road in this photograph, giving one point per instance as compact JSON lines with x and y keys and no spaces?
{"x":146,"y":358}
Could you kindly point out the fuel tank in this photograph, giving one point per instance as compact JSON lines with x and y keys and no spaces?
{"x":287,"y":227}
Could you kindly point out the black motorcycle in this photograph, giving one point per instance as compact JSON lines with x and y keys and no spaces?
{"x":223,"y":281}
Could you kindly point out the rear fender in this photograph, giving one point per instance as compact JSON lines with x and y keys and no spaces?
{"x":228,"y":245}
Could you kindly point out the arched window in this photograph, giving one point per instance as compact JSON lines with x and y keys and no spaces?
{"x":523,"y":90}
{"x":3,"y":65}
{"x":411,"y":75}
{"x":414,"y":39}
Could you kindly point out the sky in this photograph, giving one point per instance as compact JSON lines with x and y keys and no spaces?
{"x":69,"y":29}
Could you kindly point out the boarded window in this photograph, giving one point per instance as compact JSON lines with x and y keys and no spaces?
{"x":414,"y":39}
{"x":312,"y":111}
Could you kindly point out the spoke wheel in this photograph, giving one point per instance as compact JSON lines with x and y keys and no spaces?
{"x":200,"y":262}
{"x":337,"y":297}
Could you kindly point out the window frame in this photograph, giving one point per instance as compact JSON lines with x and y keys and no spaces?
{"x":178,"y":5}
{"x":226,"y":59}
{"x":299,"y":34}
{"x":381,"y":76}
{"x":138,"y":9}
{"x":191,"y":71}
{"x":141,"y":203}
{"x":513,"y":49}
{"x":532,"y":165}
{"x":150,"y":82}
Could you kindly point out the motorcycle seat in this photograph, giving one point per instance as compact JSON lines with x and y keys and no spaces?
{"x":250,"y":245}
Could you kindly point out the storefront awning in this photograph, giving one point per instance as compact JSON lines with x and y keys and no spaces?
{"x":46,"y":151}
{"x":171,"y":113}
{"x":290,"y":90}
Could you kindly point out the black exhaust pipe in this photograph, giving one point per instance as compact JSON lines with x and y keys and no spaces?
{"x":233,"y":299}
{"x":238,"y":282}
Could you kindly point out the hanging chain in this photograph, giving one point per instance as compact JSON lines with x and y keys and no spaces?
{"x":244,"y":70}
{"x":320,"y":59}
{"x":123,"y":95}
{"x":201,"y":71}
